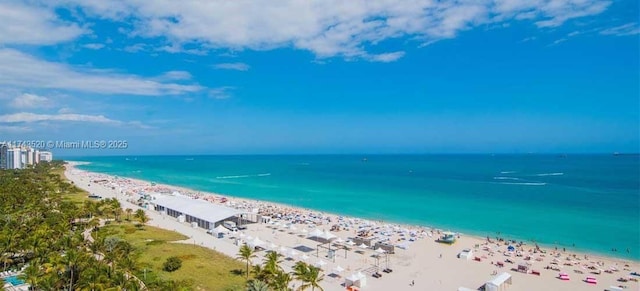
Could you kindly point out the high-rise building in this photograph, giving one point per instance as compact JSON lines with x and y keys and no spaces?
{"x":14,"y":158}
{"x":3,"y":155}
{"x":46,"y":156}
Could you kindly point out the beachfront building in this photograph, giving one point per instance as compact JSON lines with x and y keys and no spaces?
{"x":45,"y":157}
{"x":197,"y":212}
{"x":19,"y":157}
{"x":14,"y":158}
{"x":3,"y":156}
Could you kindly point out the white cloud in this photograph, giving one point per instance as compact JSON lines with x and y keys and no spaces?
{"x":135,"y":48}
{"x":25,"y":117}
{"x":24,"y":71}
{"x":65,"y":110}
{"x":221,"y":92}
{"x":386,"y":58}
{"x":33,"y":25}
{"x":232,"y":66}
{"x":622,"y":30}
{"x":327,"y":28}
{"x":27,"y":100}
{"x":176,"y":75}
{"x":14,"y":129}
{"x":94,"y":46}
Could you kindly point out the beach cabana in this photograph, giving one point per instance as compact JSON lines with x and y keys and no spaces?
{"x":316,"y":233}
{"x":499,"y":282}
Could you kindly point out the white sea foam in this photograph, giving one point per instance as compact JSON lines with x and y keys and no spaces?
{"x":243,"y":176}
{"x":525,"y":184}
{"x":507,"y":178}
{"x":507,"y":172}
{"x":549,"y":174}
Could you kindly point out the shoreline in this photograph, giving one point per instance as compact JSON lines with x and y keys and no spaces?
{"x":467,"y":232}
{"x":422,"y":248}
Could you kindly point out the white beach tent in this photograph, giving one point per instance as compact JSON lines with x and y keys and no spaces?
{"x":499,"y":282}
{"x":256,"y":242}
{"x":316,"y":233}
{"x":328,"y":235}
{"x":338,"y":269}
{"x":364,"y":246}
{"x":320,"y":264}
{"x":380,"y":251}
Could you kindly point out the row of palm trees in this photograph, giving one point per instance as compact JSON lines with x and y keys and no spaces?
{"x":271,"y":276}
{"x":41,"y":232}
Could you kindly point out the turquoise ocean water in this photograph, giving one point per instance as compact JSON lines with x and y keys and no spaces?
{"x":592,"y":201}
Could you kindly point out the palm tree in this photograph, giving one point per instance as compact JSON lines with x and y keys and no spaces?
{"x":314,"y":277}
{"x":128,"y":211}
{"x":246,"y":253}
{"x":141,"y":216}
{"x":309,"y":275}
{"x":281,"y":281}
{"x":257,"y":285}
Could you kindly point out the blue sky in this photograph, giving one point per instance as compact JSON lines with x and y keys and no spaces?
{"x":245,"y":77}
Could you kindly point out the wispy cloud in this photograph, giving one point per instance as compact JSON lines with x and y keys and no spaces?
{"x":622,"y":30}
{"x":326,"y":28}
{"x":526,"y":39}
{"x":94,"y":46}
{"x":558,"y":41}
{"x":25,"y":117}
{"x":387,"y":57}
{"x":34,"y":25}
{"x":27,"y":100}
{"x":22,"y":119}
{"x":232,"y":66}
{"x":221,"y":92}
{"x":24,"y":71}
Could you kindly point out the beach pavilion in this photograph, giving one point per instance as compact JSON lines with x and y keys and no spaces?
{"x":197,"y":212}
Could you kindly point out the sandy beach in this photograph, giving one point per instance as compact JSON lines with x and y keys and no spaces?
{"x":420,"y":259}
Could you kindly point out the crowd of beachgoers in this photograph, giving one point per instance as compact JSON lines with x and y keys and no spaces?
{"x":417,"y":258}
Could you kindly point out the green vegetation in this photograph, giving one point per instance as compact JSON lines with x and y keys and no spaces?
{"x":271,"y":277}
{"x":172,"y":264}
{"x":202,"y":268}
{"x":42,"y":233}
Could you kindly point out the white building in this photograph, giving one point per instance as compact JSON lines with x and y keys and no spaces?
{"x":45,"y":157}
{"x":14,"y":158}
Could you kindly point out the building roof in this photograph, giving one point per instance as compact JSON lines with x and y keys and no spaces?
{"x":196,"y":208}
{"x":500,"y":279}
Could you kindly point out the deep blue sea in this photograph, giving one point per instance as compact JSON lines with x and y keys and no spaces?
{"x":592,"y":201}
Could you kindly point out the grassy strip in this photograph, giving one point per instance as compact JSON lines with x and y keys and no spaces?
{"x":202,"y":268}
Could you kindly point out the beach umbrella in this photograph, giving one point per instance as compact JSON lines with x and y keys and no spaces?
{"x":304,"y":257}
{"x":351,"y":243}
{"x":338,"y":269}
{"x":364,"y":246}
{"x":380,"y":251}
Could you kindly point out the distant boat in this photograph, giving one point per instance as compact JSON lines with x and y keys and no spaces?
{"x":364,"y":159}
